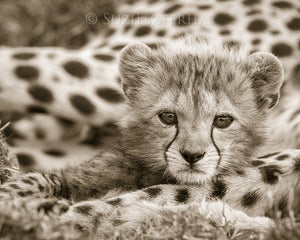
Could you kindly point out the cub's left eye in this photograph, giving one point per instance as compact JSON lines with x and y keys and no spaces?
{"x":223,"y":121}
{"x":168,"y":118}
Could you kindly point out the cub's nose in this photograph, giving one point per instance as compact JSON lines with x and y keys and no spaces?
{"x":192,"y":157}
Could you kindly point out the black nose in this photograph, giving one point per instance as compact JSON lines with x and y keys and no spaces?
{"x":192,"y":157}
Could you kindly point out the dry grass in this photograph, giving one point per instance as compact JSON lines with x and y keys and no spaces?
{"x":21,"y":222}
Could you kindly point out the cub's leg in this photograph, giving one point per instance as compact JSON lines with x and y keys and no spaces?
{"x":130,"y":209}
{"x":93,"y":178}
{"x":272,"y":183}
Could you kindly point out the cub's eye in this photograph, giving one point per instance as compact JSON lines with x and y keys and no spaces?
{"x":168,"y":118}
{"x":223,"y":121}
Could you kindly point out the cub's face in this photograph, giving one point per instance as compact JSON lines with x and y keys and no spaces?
{"x":197,"y":109}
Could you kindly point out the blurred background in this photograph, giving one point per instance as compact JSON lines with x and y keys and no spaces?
{"x":51,"y":22}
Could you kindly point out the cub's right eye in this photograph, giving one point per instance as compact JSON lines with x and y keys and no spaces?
{"x":168,"y":118}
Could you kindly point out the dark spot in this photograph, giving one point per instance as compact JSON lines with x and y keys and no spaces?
{"x":66,"y":122}
{"x":118,"y":47}
{"x":141,"y":15}
{"x":282,"y":49}
{"x":204,"y":7}
{"x":219,"y":189}
{"x":40,"y":93}
{"x":297,"y":164}
{"x":274,"y":98}
{"x":117,"y":222}
{"x":225,"y":32}
{"x":161,"y":33}
{"x":256,"y":41}
{"x":25,"y":160}
{"x":257,"y":25}
{"x":23,"y":56}
{"x":110,"y":32}
{"x":36,"y":109}
{"x":110,"y":95}
{"x":270,"y":173}
{"x":256,"y":163}
{"x":40,"y":133}
{"x":41,"y":188}
{"x":283,"y":207}
{"x":239,"y":172}
{"x":28,"y":73}
{"x":127,"y":28}
{"x":294,"y":24}
{"x":25,"y":193}
{"x":104,"y":57}
{"x":268,"y":155}
{"x":282,"y":157}
{"x":97,"y":219}
{"x":250,"y":2}
{"x":82,"y":104}
{"x":51,"y":55}
{"x":282,"y":4}
{"x":253,"y":12}
{"x":275,"y":32}
{"x":54,"y":152}
{"x":230,"y":44}
{"x":33,"y":178}
{"x":79,"y":227}
{"x":115,"y":202}
{"x":153,"y":46}
{"x":249,"y":199}
{"x":153,"y":191}
{"x":27,"y":181}
{"x":185,"y":20}
{"x":296,"y":72}
{"x":76,"y":69}
{"x":223,"y":19}
{"x":182,"y":195}
{"x":47,"y":206}
{"x":83,"y":209}
{"x":14,"y":186}
{"x":56,"y":79}
{"x":143,"y":31}
{"x":172,"y":9}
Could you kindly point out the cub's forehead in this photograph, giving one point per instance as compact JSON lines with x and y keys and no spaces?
{"x":203,"y":79}
{"x":204,"y":69}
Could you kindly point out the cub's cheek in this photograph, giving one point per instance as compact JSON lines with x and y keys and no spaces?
{"x":224,"y":139}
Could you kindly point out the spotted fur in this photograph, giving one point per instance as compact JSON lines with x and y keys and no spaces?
{"x":193,"y":78}
{"x":45,"y":85}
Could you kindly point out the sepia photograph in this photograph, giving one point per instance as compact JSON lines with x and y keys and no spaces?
{"x":150,"y":119}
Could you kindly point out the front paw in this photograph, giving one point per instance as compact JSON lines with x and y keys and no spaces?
{"x":57,"y":206}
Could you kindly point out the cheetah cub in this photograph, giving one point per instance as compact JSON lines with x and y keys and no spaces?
{"x":194,"y":124}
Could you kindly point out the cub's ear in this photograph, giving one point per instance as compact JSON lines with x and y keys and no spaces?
{"x":267,"y":76}
{"x":133,"y":65}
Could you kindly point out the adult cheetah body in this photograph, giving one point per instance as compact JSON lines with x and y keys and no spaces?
{"x":82,"y":88}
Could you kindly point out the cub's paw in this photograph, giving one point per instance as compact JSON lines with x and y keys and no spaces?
{"x":88,"y":216}
{"x":58,"y":206}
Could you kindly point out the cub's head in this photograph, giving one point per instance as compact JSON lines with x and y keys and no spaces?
{"x":196,"y":107}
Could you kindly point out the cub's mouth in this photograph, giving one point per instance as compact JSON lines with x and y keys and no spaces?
{"x":186,"y":172}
